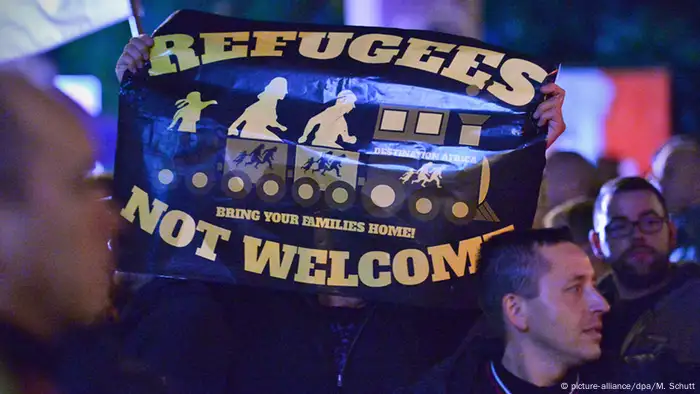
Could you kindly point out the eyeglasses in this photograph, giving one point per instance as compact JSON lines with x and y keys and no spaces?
{"x":648,"y":224}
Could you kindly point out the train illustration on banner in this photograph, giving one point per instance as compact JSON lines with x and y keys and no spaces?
{"x":406,"y":164}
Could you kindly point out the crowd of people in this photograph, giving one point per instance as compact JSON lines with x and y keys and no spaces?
{"x":601,"y":291}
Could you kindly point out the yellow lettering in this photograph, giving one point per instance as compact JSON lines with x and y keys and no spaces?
{"x":285,"y":218}
{"x":215,"y":46}
{"x":267,"y":43}
{"x":418,"y":50}
{"x":294,"y":219}
{"x":221,"y":212}
{"x":515,"y":72}
{"x":442,"y":254}
{"x":178,"y":45}
{"x":361,"y":46}
{"x":392,"y":231}
{"x":270,"y":255}
{"x":465,"y":60}
{"x":306,"y":265}
{"x":488,"y":236}
{"x":187,"y":229}
{"x":310,"y":45}
{"x":148,"y":219}
{"x":212,"y":234}
{"x":421,"y":267}
{"x":337,"y":276}
{"x":367,"y":272}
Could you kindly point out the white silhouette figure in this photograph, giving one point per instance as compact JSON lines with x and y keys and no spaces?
{"x":262,"y":114}
{"x":435,"y":176}
{"x":189,"y":111}
{"x":423,"y":173}
{"x":428,"y":173}
{"x":331,"y":123}
{"x":407,"y":176}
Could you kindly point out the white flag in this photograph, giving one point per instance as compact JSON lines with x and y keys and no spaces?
{"x":29,"y":27}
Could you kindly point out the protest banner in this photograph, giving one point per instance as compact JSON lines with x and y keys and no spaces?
{"x":365,"y":162}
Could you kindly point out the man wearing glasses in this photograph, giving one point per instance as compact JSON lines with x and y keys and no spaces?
{"x":655,"y":306}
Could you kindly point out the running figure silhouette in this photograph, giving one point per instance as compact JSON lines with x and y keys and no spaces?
{"x":189,"y":111}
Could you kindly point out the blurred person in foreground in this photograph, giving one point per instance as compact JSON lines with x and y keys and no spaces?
{"x":654,"y":303}
{"x":327,"y":343}
{"x":55,"y":267}
{"x":577,"y":215}
{"x":676,"y":170}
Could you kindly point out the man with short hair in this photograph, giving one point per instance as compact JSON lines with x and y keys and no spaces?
{"x":567,"y":175}
{"x":676,"y":169}
{"x":654,"y":304}
{"x":537,"y":289}
{"x":577,"y":215}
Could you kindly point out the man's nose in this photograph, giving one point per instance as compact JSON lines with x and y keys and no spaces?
{"x":598,"y":303}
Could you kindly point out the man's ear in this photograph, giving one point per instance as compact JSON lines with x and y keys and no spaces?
{"x":515,"y":311}
{"x":594,"y":240}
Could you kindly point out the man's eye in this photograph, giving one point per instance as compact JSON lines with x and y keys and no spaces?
{"x":617,"y":226}
{"x":575,"y":289}
{"x":651,"y":220}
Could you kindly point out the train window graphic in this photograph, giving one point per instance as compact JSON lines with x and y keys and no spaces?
{"x":317,"y":170}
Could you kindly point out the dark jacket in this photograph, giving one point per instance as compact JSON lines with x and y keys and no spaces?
{"x":27,"y":364}
{"x":245,"y":340}
{"x":81,"y":361}
{"x":467,"y":371}
{"x":179,"y":331}
{"x":671,"y":324}
{"x":90,"y":362}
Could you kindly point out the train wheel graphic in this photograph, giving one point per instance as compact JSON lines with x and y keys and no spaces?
{"x":339,"y":195}
{"x":459,"y":211}
{"x":270,"y":187}
{"x":236,"y":184}
{"x":166,"y":179}
{"x":383,"y":197}
{"x":306,"y":192}
{"x":199,"y":182}
{"x":425,"y":204}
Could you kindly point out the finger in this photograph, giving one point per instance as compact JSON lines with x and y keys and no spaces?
{"x":546,"y":106}
{"x":553,"y":89}
{"x":141,"y":47}
{"x":146,"y":39}
{"x":126,"y":59}
{"x":136,"y":55}
{"x":548,"y":116}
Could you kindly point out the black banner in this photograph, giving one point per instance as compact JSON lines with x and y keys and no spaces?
{"x":365,"y":162}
